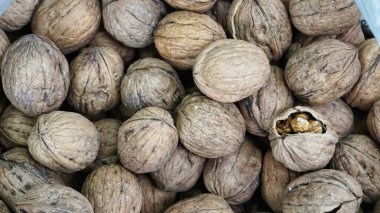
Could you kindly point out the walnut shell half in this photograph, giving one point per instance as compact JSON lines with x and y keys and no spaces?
{"x":18,"y":14}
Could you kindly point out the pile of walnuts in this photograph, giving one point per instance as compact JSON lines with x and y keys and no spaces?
{"x":188,"y":106}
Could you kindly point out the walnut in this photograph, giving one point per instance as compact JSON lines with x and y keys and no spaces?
{"x":260,"y":108}
{"x":192,"y":5}
{"x":64,"y":141}
{"x":155,"y":200}
{"x":313,"y":17}
{"x":101,"y":162}
{"x":112,"y":188}
{"x":264,"y":23}
{"x":322,"y":71}
{"x":4,"y":43}
{"x":302,"y":139}
{"x":181,"y":36}
{"x":229,"y":70}
{"x":132,"y":22}
{"x":4,"y":207}
{"x":180,"y":172}
{"x":354,"y":36}
{"x":108,"y":133}
{"x":235,"y":178}
{"x":208,"y":128}
{"x":35,"y":75}
{"x":95,"y":80}
{"x":147,"y":140}
{"x":220,"y":11}
{"x":151,"y":82}
{"x":373,"y":121}
{"x":18,"y":14}
{"x":326,"y":190}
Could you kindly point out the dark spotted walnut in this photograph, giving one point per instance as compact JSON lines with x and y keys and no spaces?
{"x":18,"y":14}
{"x":147,"y":140}
{"x":4,"y":44}
{"x":192,"y":5}
{"x":373,"y":121}
{"x":108,"y":132}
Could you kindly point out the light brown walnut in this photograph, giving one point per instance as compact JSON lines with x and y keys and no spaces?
{"x":18,"y":14}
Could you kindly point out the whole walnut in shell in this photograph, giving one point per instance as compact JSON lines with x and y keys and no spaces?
{"x":313,"y":17}
{"x":18,"y":14}
{"x":180,"y":172}
{"x":64,"y":141}
{"x":70,"y":24}
{"x":302,"y":139}
{"x":235,"y":178}
{"x":181,"y":36}
{"x":151,"y":82}
{"x":208,"y":128}
{"x":274,"y":179}
{"x":259,"y":109}
{"x":132,"y":22}
{"x":35,"y":75}
{"x":229,"y":70}
{"x":366,"y":90}
{"x":112,"y":188}
{"x":199,"y":6}
{"x":103,"y":39}
{"x":155,"y":200}
{"x":264,"y":23}
{"x":4,"y":43}
{"x":4,"y":207}
{"x":373,"y":121}
{"x":95,"y":80}
{"x":326,"y":190}
{"x":322,"y":71}
{"x":108,"y":132}
{"x":201,"y":203}
{"x":147,"y":140}
{"x":357,"y":155}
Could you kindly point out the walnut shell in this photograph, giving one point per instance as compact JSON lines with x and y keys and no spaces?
{"x":322,"y":71}
{"x":181,"y":172}
{"x":354,"y":36}
{"x":132,"y":22}
{"x":259,"y":109}
{"x":53,"y":198}
{"x":235,"y":178}
{"x":103,"y":39}
{"x":373,"y":121}
{"x":155,"y":200}
{"x":357,"y":155}
{"x":70,"y":24}
{"x":208,"y":128}
{"x":151,"y":82}
{"x":101,"y":162}
{"x":108,"y":133}
{"x":147,"y":140}
{"x":264,"y":23}
{"x":326,"y":190}
{"x":366,"y":90}
{"x":201,"y":203}
{"x":18,"y":14}
{"x":303,"y":151}
{"x":274,"y":179}
{"x":64,"y":141}
{"x":229,"y":70}
{"x":199,"y":6}
{"x":313,"y":17}
{"x":4,"y":207}
{"x":4,"y":43}
{"x":220,"y":11}
{"x":181,"y":36}
{"x":112,"y":188}
{"x":15,"y":127}
{"x":35,"y":75}
{"x":103,"y":69}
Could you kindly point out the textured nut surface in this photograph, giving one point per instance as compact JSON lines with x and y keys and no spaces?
{"x":264,"y":23}
{"x":235,"y":178}
{"x":229,"y":70}
{"x":108,"y":132}
{"x":373,"y":121}
{"x":326,"y":190}
{"x":357,"y":155}
{"x":220,"y":11}
{"x":181,"y":36}
{"x":208,"y":128}
{"x":192,"y":5}
{"x":64,"y":141}
{"x":155,"y":200}
{"x":314,"y":17}
{"x":201,"y":203}
{"x":4,"y":208}
{"x":4,"y":44}
{"x":180,"y":172}
{"x":147,"y":140}
{"x":322,"y":71}
{"x":35,"y":75}
{"x":366,"y":90}
{"x":18,"y":14}
{"x":112,"y":188}
{"x":259,"y":109}
{"x":132,"y":22}
{"x":354,"y":36}
{"x":151,"y":82}
{"x":69,"y":24}
{"x":95,"y":80}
